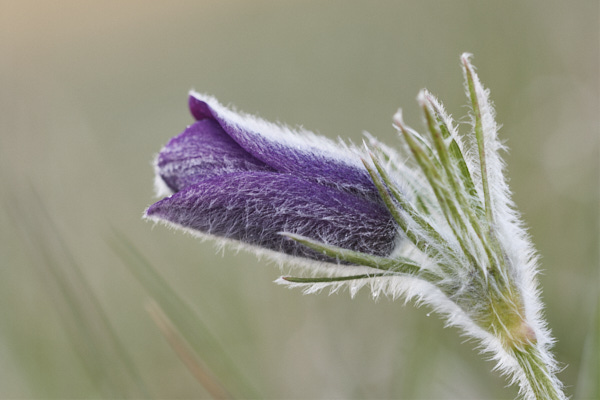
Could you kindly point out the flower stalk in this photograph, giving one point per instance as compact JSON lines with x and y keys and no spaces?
{"x":441,"y":227}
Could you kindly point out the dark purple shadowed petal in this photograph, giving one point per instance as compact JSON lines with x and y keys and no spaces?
{"x":315,"y":159}
{"x":253,"y":207}
{"x":203,"y":150}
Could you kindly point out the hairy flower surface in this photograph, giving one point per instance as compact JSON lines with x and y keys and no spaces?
{"x":433,"y":221}
{"x":238,"y":177}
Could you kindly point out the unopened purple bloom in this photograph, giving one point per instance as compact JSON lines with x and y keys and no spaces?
{"x":238,"y":177}
{"x":464,"y":250}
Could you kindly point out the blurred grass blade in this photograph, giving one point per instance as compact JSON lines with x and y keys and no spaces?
{"x":588,"y":384}
{"x":103,"y":356}
{"x":186,"y":354}
{"x":184,"y":318}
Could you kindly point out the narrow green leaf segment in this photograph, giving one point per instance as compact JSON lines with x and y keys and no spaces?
{"x":456,"y":153}
{"x":395,"y":265}
{"x":331,"y":279}
{"x":479,"y":134}
{"x":406,"y":210}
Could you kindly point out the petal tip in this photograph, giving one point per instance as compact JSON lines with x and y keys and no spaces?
{"x":150,"y":212}
{"x":198,"y":107}
{"x":157,"y":211}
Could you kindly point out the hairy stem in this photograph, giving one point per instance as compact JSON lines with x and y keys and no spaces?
{"x":540,"y":380}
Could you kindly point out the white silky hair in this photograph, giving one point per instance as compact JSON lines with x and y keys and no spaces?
{"x":282,"y":260}
{"x":301,"y":139}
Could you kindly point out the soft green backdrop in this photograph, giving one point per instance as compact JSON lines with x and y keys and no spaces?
{"x":90,"y":91}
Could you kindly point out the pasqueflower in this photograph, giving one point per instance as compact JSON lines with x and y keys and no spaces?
{"x":433,"y":221}
{"x":237,"y":177}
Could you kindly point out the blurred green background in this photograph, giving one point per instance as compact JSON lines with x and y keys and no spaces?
{"x":90,"y":91}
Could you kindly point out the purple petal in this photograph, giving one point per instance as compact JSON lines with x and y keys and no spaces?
{"x":253,"y":207}
{"x":308,"y":156}
{"x":203,"y":150}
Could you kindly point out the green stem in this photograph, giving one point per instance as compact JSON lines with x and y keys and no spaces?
{"x":541,"y":381}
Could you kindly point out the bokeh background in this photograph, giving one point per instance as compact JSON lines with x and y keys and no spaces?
{"x":90,"y":91}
